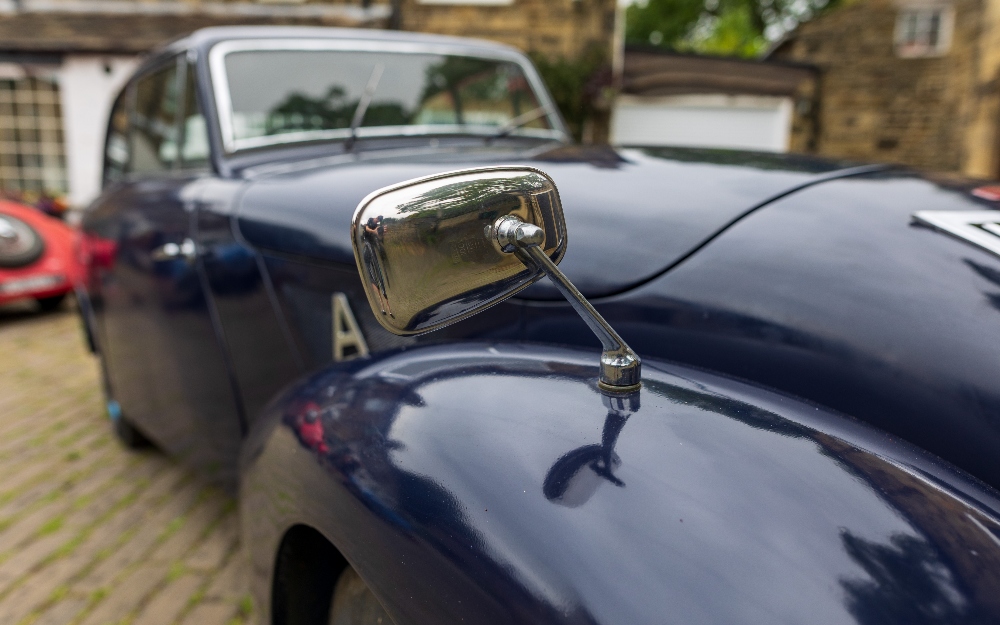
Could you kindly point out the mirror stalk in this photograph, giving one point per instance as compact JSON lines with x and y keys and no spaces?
{"x":433,"y":251}
{"x":620,"y":366}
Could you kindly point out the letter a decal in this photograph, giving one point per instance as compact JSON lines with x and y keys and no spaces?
{"x":980,"y":228}
{"x":348,"y":342}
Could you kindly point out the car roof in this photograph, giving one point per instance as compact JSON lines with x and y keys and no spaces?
{"x":203,"y":39}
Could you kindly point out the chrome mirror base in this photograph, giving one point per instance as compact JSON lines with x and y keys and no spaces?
{"x":621,"y":368}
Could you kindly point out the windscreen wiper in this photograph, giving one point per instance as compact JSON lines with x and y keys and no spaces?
{"x":517,"y":122}
{"x":363,"y":104}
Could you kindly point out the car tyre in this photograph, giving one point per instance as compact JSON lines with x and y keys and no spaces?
{"x":130,"y":436}
{"x":49,"y":304}
{"x":354,"y":604}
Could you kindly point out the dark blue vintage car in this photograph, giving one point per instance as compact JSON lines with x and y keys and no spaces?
{"x":807,"y":430}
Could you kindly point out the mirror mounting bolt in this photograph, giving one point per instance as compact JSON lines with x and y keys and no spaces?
{"x":512,"y":233}
{"x":620,"y":366}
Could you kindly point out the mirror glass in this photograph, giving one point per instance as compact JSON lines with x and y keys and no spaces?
{"x":426,"y":249}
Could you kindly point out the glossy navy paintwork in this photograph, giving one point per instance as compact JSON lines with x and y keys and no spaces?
{"x":833,"y":294}
{"x":668,"y":201}
{"x":829,"y":293}
{"x":256,"y":335}
{"x":493,"y":484}
{"x":161,"y":341}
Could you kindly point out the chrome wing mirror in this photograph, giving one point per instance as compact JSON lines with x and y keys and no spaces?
{"x":435,"y":250}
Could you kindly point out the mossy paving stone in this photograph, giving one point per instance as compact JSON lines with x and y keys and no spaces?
{"x":91,"y":532}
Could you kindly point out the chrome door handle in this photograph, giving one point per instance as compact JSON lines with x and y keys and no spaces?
{"x":186,"y":250}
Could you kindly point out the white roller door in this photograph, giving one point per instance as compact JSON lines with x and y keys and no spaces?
{"x":712,"y":121}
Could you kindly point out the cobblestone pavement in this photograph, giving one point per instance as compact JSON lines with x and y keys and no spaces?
{"x":91,"y":533}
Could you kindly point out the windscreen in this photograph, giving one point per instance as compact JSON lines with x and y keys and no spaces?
{"x":290,"y":95}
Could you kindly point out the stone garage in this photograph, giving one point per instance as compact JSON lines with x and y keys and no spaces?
{"x":909,"y":81}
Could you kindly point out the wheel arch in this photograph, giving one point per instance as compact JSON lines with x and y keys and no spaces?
{"x":306,"y":567}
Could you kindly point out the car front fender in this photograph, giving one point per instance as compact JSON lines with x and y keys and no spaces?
{"x":496,"y":484}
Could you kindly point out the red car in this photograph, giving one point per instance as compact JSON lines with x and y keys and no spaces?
{"x":37,"y":258}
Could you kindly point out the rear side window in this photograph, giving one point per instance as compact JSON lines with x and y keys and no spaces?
{"x":194,"y":146}
{"x":154,"y":123}
{"x":116,"y":146}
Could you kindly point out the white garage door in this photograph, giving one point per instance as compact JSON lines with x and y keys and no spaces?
{"x":710,"y":121}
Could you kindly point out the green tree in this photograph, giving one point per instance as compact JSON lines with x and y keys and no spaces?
{"x":733,"y":27}
{"x":732,"y":31}
{"x":661,"y":22}
{"x":575,"y":84}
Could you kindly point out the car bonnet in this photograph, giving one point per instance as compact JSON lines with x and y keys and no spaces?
{"x":630,"y":213}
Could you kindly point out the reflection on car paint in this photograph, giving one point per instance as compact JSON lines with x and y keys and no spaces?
{"x":574,"y":477}
{"x":911,"y":549}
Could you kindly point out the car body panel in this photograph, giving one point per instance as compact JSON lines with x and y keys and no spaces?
{"x":833,"y":294}
{"x":668,"y":201}
{"x":263,"y":357}
{"x":492,"y":483}
{"x":829,"y":293}
{"x":59,"y":259}
{"x":160,"y":343}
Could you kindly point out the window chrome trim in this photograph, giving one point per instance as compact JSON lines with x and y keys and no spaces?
{"x":412,"y":130}
{"x":224,"y":106}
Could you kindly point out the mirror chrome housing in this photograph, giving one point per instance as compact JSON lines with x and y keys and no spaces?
{"x":433,"y":251}
{"x":426,"y":251}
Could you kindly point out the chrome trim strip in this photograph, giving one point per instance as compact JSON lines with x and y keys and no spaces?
{"x":271,"y":169}
{"x":224,"y":106}
{"x":981,"y":228}
{"x":390,"y":131}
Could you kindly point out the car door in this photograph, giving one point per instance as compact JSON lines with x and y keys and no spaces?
{"x":187,"y":402}
{"x":262,"y":355}
{"x":112,"y":271}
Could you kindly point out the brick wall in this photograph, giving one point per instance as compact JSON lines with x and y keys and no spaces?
{"x":936,"y":113}
{"x":982,"y":128}
{"x":556,"y":28}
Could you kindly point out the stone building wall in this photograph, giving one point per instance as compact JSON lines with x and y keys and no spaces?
{"x":982,"y":130}
{"x":555,"y":28}
{"x":936,"y":113}
{"x":804,"y":135}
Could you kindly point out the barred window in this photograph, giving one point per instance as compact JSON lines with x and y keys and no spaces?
{"x":31,"y":136}
{"x":923,"y":31}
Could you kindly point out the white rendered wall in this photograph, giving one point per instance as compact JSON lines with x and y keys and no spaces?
{"x":708,"y":121}
{"x":86,"y":91}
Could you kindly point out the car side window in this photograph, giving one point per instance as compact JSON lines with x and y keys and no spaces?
{"x":194,"y":132}
{"x":154,"y":121}
{"x":116,"y":145}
